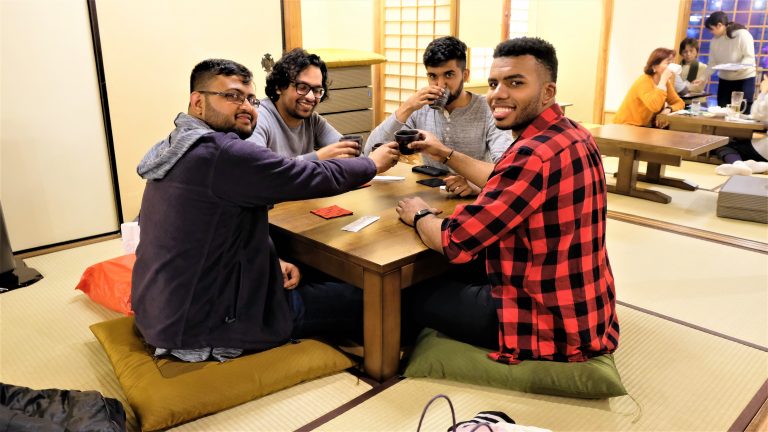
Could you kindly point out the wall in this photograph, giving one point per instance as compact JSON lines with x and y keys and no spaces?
{"x":480,"y":23}
{"x":337,"y":24}
{"x":639,"y":27}
{"x":573,"y":27}
{"x":150,"y":48}
{"x":55,"y":181}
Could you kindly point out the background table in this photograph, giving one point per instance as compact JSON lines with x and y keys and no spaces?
{"x":658,"y":148}
{"x":382,"y":259}
{"x":711,"y":126}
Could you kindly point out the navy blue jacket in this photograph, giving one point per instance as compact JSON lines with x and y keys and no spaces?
{"x":206,"y":272}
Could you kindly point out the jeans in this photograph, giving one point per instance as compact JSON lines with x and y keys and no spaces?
{"x":324,"y":306}
{"x":458,"y":304}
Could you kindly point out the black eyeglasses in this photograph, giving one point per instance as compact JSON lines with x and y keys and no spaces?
{"x":235,"y":98}
{"x":304,"y":88}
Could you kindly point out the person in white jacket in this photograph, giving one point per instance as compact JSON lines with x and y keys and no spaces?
{"x":731,"y":44}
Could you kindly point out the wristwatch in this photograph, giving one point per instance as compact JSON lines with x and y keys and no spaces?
{"x":420,"y":214}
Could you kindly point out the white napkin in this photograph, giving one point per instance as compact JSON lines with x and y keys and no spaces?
{"x":388,"y":178}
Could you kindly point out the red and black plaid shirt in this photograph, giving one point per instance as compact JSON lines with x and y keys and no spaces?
{"x":541,"y":221}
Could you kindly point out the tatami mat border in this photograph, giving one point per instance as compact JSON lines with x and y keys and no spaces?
{"x":694,"y":326}
{"x":314,"y":424}
{"x":750,"y":245}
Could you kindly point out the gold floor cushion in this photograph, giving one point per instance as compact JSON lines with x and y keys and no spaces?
{"x":164,"y":392}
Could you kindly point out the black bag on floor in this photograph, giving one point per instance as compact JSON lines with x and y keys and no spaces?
{"x":23,"y":409}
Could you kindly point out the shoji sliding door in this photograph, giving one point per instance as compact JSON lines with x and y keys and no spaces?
{"x":55,"y":181}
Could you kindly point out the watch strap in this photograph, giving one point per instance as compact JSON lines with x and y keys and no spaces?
{"x":420,"y":214}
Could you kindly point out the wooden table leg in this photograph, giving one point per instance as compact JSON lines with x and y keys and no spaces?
{"x":626,"y":179}
{"x":381,"y":316}
{"x":626,"y":174}
{"x":654,"y":173}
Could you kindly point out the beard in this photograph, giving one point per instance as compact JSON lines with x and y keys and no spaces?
{"x":455,"y":95}
{"x":296,"y":111}
{"x":525,"y":115}
{"x":222,"y":122}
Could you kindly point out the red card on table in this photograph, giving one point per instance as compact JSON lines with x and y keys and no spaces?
{"x":331,"y":212}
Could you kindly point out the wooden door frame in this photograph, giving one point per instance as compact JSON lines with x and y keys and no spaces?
{"x":291,"y":10}
{"x":606,"y":26}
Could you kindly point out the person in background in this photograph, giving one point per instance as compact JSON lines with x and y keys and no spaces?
{"x":732,"y":43}
{"x":538,"y":227}
{"x":465,"y":124}
{"x":289,"y":125}
{"x":693,"y":75}
{"x":207,"y":283}
{"x":745,"y":157}
{"x":652,"y":93}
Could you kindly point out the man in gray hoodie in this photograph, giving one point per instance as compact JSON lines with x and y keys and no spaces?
{"x":207,"y":282}
{"x":289,"y":125}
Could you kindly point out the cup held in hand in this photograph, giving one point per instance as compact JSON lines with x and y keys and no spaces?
{"x":404,"y":137}
{"x":356,"y":138}
{"x":440,"y":102}
{"x":675,"y":68}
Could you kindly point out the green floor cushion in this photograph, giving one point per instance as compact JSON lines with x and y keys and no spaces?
{"x":437,"y":356}
{"x":164,"y":392}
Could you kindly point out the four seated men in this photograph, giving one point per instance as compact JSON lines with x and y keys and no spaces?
{"x":208,"y":283}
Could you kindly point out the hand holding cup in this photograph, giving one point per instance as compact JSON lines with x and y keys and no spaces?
{"x":403,"y":137}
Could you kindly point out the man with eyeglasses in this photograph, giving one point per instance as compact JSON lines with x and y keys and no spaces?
{"x":464,"y":124}
{"x":289,"y":125}
{"x":207,"y":282}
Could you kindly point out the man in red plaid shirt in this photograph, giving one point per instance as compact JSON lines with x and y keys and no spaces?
{"x":546,"y":291}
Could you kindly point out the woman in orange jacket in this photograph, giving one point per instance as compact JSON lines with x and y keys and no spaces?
{"x":653,"y":93}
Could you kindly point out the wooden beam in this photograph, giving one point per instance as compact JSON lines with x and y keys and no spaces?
{"x":291,"y":24}
{"x":455,"y":18}
{"x":598,"y":115}
{"x":683,"y":16}
{"x":378,"y":69}
{"x":506,"y":13}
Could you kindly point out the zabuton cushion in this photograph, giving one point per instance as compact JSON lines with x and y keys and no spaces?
{"x":164,"y":392}
{"x":437,"y":356}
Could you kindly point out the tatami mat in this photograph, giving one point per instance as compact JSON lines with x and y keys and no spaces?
{"x":681,"y":379}
{"x":45,"y":342}
{"x":721,"y":288}
{"x":286,"y":410}
{"x":695,"y":209}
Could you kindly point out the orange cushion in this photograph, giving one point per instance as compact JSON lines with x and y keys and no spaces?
{"x":108,"y":283}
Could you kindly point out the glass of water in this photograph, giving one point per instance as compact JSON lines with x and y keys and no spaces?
{"x":695,"y":107}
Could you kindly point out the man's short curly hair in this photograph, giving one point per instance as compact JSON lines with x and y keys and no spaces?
{"x":288,"y":68}
{"x":444,"y":49}
{"x":206,"y":70}
{"x":541,"y":50}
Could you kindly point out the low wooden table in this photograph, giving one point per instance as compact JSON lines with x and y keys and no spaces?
{"x":712,"y":125}
{"x":382,"y":258}
{"x":657,"y":147}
